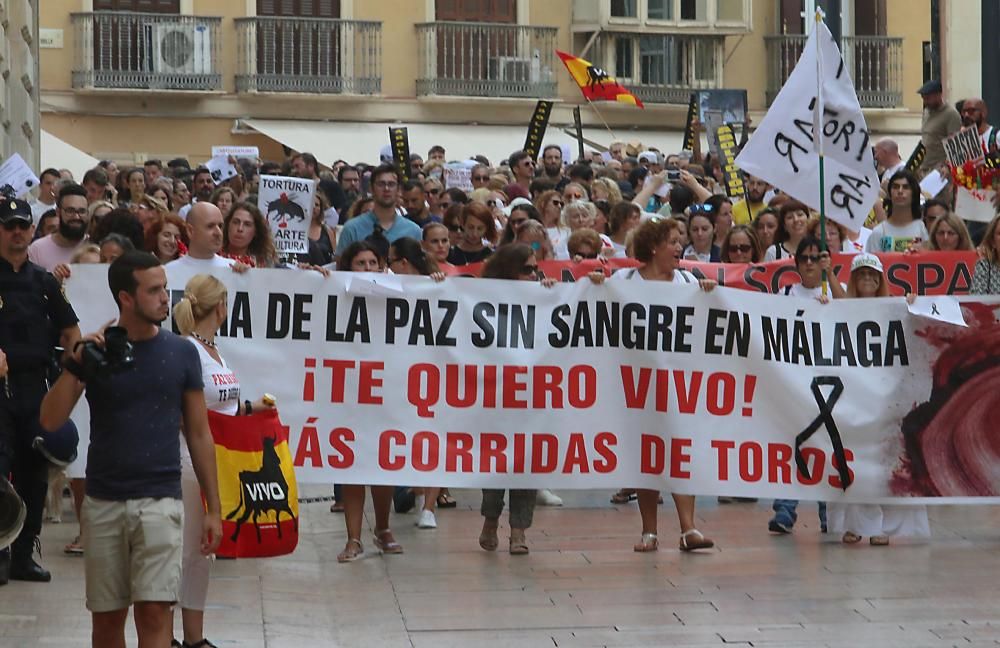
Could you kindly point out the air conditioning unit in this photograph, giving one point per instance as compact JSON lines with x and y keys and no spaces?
{"x":513,"y":68}
{"x":180,"y":48}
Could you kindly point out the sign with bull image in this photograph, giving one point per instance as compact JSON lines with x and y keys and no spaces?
{"x":257,"y":487}
{"x":287,"y":204}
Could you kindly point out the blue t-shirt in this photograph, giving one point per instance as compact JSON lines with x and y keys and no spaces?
{"x":135,"y":421}
{"x":363,"y":226}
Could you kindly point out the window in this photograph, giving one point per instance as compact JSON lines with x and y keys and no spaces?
{"x":624,"y":59}
{"x":625,"y":8}
{"x":492,"y":11}
{"x":658,"y":60}
{"x":299,"y":8}
{"x":660,"y":9}
{"x":694,"y":10}
{"x":729,"y":10}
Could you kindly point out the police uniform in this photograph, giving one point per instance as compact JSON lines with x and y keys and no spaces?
{"x":33,"y":313}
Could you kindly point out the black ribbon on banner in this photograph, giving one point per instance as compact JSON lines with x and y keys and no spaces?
{"x":825,"y":418}
{"x":536,"y":128}
{"x":400,"y":140}
{"x":728,"y":149}
{"x":689,"y":133}
{"x":916,"y":158}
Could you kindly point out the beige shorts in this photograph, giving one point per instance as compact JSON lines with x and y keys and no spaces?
{"x":133,"y":551}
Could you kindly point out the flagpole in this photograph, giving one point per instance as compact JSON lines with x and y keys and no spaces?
{"x":818,"y":125}
{"x":601,"y":118}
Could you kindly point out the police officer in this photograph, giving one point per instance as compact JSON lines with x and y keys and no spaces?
{"x":34,"y":317}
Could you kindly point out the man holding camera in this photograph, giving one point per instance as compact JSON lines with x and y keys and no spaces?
{"x":144,"y":387}
{"x":34,"y":317}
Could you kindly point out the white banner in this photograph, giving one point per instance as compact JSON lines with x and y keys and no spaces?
{"x":783,"y":150}
{"x":642,"y":384}
{"x":287,"y":204}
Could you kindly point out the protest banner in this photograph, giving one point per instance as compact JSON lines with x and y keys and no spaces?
{"x":921,"y":273}
{"x":646,"y":384}
{"x":785,"y":152}
{"x":728,"y":150}
{"x":287,"y":204}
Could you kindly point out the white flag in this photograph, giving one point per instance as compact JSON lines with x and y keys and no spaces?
{"x":784,"y":152}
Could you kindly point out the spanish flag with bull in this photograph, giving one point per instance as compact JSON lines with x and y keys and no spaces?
{"x":257,"y":488}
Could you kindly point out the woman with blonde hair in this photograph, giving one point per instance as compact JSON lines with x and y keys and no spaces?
{"x":986,"y":274}
{"x":198,"y":315}
{"x":948,"y":234}
{"x":605,"y":189}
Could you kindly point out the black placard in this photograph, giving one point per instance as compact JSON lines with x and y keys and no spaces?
{"x":689,"y":133}
{"x":536,"y":128}
{"x":916,"y":158}
{"x":400,"y":140}
{"x":727,"y":161}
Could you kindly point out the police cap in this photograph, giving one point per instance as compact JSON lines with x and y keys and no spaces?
{"x":13,"y":209}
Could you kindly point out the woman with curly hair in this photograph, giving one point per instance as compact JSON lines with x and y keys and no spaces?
{"x":246,"y":237}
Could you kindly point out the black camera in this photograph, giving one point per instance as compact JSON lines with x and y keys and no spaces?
{"x":115,"y":357}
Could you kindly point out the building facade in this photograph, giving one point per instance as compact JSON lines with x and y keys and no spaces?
{"x":133,"y":79}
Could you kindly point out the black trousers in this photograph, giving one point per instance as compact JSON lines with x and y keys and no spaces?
{"x":28,"y":469}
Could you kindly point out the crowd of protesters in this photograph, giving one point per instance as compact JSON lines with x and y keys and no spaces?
{"x":514,"y":215}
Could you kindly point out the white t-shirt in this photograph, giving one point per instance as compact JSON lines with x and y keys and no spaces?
{"x":690,"y":252}
{"x":680,"y":276}
{"x":222,"y":387}
{"x":48,"y":254}
{"x":38,"y":208}
{"x":201,"y":265}
{"x":886,"y":237}
{"x":798,"y":290}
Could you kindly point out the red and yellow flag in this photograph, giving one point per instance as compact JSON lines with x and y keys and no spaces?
{"x":257,"y":487}
{"x":596,"y":84}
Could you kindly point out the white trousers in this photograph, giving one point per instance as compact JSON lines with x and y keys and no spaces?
{"x":195,"y":567}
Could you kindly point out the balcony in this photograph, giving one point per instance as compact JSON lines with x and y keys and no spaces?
{"x":139,"y":51}
{"x":486,"y":60}
{"x":662,"y":68}
{"x":875,"y":63}
{"x":311,"y":55}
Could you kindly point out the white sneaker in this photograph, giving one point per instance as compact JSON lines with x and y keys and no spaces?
{"x":545,"y":497}
{"x":426,"y":520}
{"x":419,"y":506}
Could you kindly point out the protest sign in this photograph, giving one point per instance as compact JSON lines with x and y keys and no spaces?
{"x":458,"y":175}
{"x":689,"y":130}
{"x":731,"y":105}
{"x":650,"y":384}
{"x":975,"y":204}
{"x":287,"y":204}
{"x":251,"y":152}
{"x":964,"y":146}
{"x":916,"y":158}
{"x":222,"y":169}
{"x":784,"y":150}
{"x":399,"y":139}
{"x":536,"y":128}
{"x":16,"y":174}
{"x":728,"y":150}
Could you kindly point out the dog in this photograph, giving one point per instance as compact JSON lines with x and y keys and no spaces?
{"x":58,"y":482}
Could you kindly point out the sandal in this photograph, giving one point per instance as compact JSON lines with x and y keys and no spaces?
{"x":488,"y":536}
{"x":850,"y":537}
{"x":648,"y":543}
{"x":204,"y":643}
{"x":695,"y":539}
{"x":518,"y":545}
{"x":176,"y":644}
{"x":351,"y":552}
{"x":388,"y":546}
{"x":337,"y":507}
{"x":879,"y":541}
{"x":624,"y":496}
{"x":445,"y":500}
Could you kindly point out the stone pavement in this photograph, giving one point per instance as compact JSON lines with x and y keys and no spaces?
{"x":581,"y":586}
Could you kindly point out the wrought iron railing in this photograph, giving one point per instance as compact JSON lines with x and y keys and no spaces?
{"x":130,"y":50}
{"x":316,"y":55}
{"x":486,"y":60}
{"x":874,"y":62}
{"x":662,"y":68}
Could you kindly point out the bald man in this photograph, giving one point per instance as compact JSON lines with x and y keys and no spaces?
{"x":974,"y":113}
{"x":887,"y":157}
{"x":204,"y":228}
